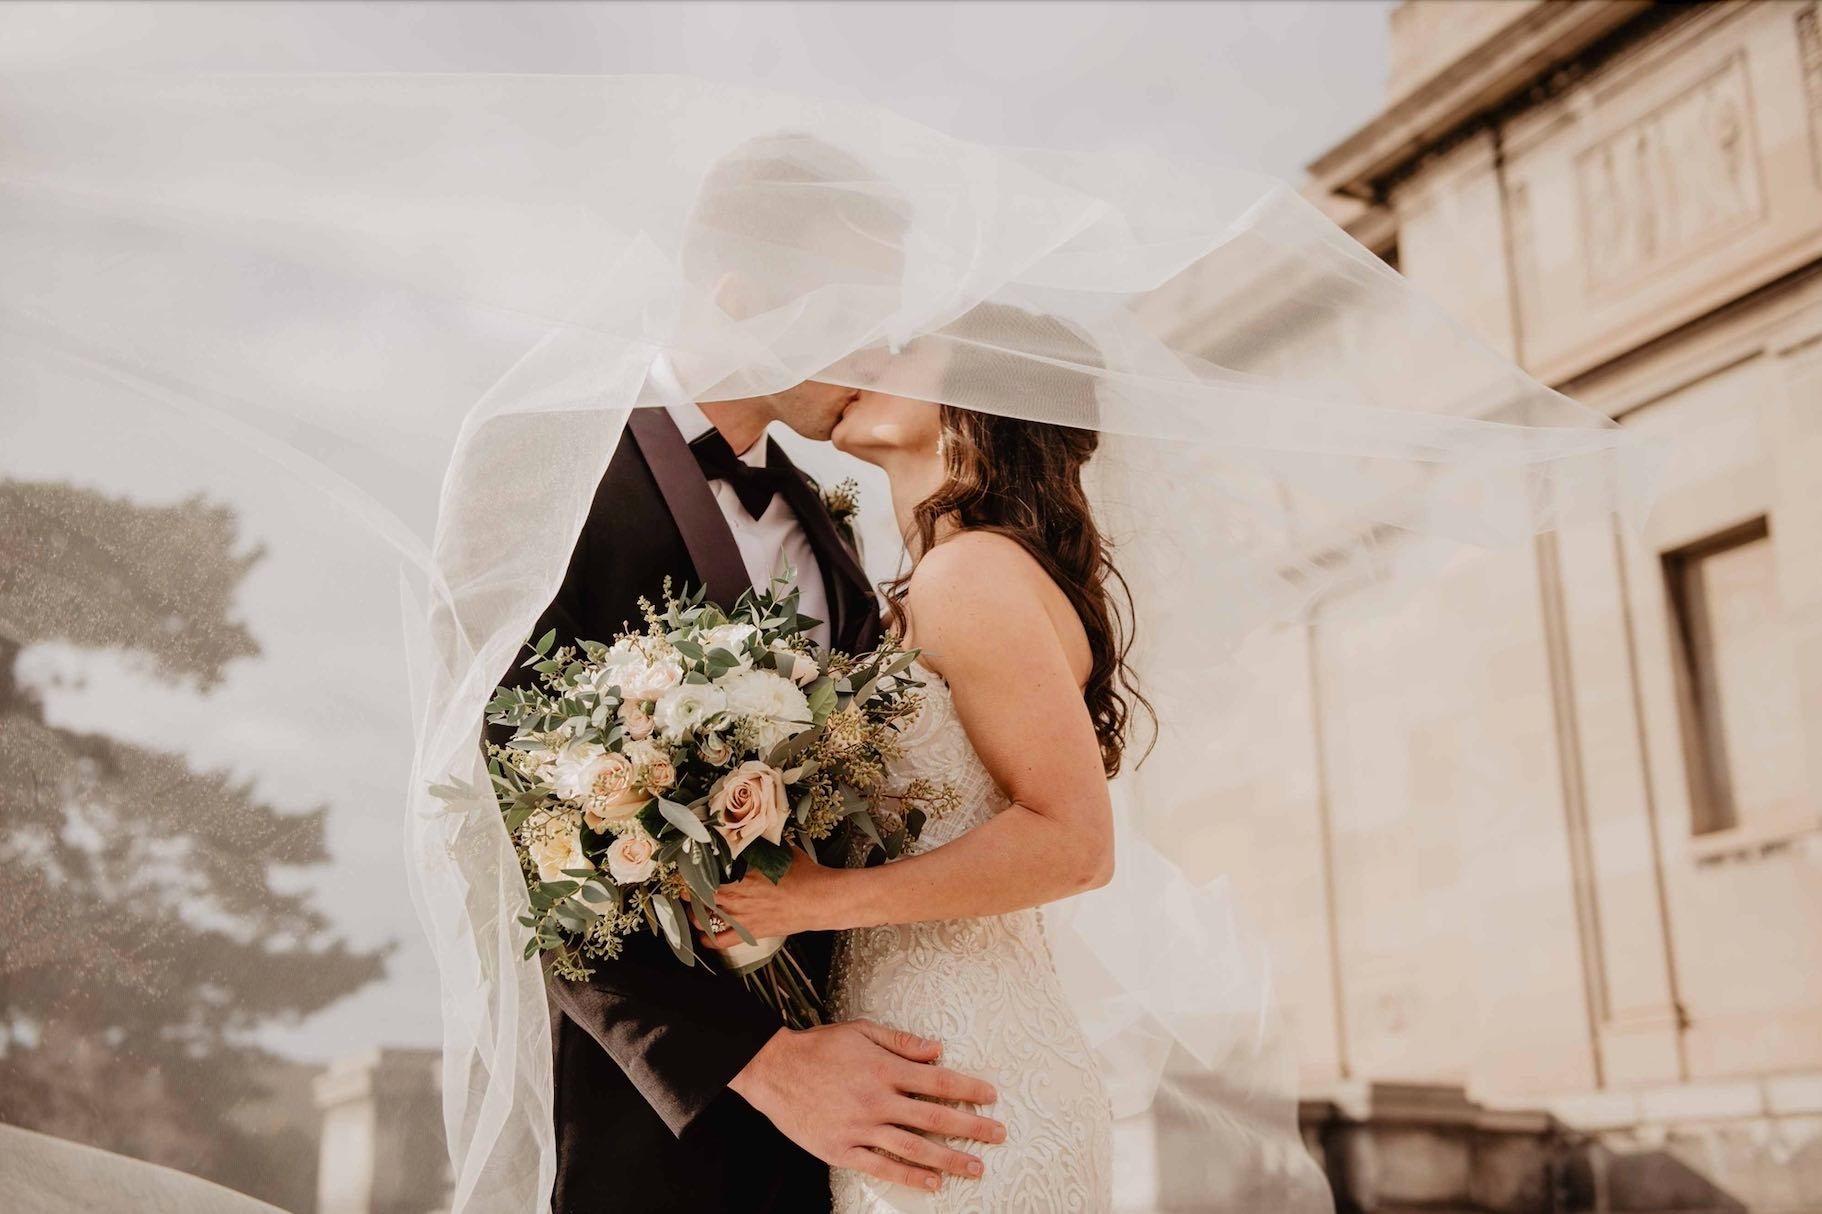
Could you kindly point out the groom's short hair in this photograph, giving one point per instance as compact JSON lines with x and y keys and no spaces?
{"x":787,"y":212}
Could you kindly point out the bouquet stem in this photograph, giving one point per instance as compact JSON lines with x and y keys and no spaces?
{"x":780,"y":983}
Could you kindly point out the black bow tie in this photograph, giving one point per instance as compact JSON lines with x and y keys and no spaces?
{"x":755,"y":486}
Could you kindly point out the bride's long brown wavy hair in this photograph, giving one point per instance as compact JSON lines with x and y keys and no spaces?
{"x":1023,"y":480}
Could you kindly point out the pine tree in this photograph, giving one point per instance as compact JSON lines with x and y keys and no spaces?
{"x":141,"y":939}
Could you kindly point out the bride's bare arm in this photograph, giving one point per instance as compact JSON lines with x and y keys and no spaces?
{"x":978,"y":610}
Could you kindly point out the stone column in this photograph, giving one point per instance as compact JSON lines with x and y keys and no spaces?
{"x":382,"y":1144}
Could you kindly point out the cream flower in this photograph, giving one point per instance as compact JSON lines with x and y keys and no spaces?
{"x":731,"y":637}
{"x":687,"y":707}
{"x":714,"y":749}
{"x":555,"y":849}
{"x":610,"y":794}
{"x":655,"y":769}
{"x":635,"y":720}
{"x":632,"y":859}
{"x":641,"y":667}
{"x":803,"y":668}
{"x":649,"y":681}
{"x":749,"y":803}
{"x":571,"y":769}
{"x":773,"y":702}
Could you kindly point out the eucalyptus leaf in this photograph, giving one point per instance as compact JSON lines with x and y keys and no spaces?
{"x":674,"y":926}
{"x":575,"y":916}
{"x":822,"y":698}
{"x":787,"y":750}
{"x":685,"y":821}
{"x":864,"y":819}
{"x":697,"y":877}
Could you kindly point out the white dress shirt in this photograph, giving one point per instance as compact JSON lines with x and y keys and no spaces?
{"x":768,"y":542}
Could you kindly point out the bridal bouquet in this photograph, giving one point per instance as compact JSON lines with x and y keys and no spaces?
{"x":676,"y":759}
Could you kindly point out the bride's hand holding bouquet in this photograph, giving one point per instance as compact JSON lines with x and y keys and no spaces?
{"x":645,"y":776}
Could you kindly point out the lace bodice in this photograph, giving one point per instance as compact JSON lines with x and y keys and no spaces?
{"x":988,"y":990}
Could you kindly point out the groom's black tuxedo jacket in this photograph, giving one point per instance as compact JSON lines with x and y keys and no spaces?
{"x":644,"y":1050}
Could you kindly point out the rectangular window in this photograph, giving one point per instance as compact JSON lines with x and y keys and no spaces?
{"x":1738,"y":684}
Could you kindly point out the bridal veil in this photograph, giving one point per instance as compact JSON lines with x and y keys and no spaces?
{"x":417,"y":309}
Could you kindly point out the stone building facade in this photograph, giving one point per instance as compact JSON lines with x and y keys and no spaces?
{"x":1541,"y":851}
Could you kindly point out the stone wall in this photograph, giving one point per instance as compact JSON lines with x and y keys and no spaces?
{"x":1571,"y":801}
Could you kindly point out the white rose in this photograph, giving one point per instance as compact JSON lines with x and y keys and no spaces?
{"x":640,"y":666}
{"x":557,"y":849}
{"x":650,"y":680}
{"x":686,"y":708}
{"x":771,"y":700}
{"x":572,"y":769}
{"x":731,"y":637}
{"x":749,"y":803}
{"x":632,"y":859}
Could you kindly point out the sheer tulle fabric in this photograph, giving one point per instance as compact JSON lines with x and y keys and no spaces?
{"x":426,"y":304}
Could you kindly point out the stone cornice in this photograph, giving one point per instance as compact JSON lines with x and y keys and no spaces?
{"x":1490,"y":75}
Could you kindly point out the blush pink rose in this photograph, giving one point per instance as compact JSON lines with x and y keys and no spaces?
{"x":749,"y":803}
{"x":631,"y":859}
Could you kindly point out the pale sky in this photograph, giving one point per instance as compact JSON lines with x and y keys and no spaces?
{"x":1267,"y":85}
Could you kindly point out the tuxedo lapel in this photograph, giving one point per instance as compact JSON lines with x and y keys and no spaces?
{"x":692,"y":505}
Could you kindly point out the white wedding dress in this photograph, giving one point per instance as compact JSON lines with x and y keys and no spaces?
{"x":988,"y":990}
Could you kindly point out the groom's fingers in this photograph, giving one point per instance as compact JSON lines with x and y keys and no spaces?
{"x":935,"y":1118}
{"x":913,"y":1148}
{"x":943,"y":1084}
{"x":905,"y":1045}
{"x":884,"y":1167}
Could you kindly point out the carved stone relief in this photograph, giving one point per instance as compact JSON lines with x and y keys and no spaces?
{"x":1809,"y":47}
{"x":1677,"y":179}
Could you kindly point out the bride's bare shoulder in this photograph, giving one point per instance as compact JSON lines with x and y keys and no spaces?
{"x":983,"y":590}
{"x":976,"y":565}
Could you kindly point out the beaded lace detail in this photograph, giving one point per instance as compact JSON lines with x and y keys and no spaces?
{"x":988,"y":990}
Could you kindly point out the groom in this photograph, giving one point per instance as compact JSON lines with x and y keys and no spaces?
{"x":675,"y":1089}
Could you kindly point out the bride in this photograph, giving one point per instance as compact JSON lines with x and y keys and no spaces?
{"x":1012,"y":597}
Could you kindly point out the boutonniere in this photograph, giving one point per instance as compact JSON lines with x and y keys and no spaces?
{"x":843,"y":504}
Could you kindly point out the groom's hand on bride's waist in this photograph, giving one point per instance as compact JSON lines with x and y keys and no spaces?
{"x":848,"y":1092}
